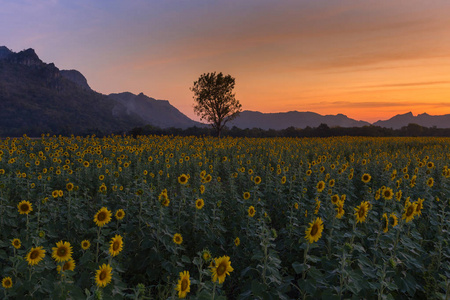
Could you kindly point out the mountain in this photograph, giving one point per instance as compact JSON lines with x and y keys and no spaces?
{"x":36,"y":98}
{"x":425,"y":120}
{"x":277,"y":121}
{"x":158,"y":113}
{"x":76,"y":77}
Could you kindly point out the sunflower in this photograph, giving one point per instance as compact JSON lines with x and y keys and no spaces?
{"x":320,"y":186}
{"x":116,"y":245}
{"x":25,"y":207}
{"x":366,"y":178}
{"x":62,"y":251}
{"x":206,"y":255}
{"x":430,"y":182}
{"x":409,"y":211}
{"x":386,"y":223}
{"x":430,"y":165}
{"x":183,"y":179}
{"x":221,"y":268}
{"x":257,"y":180}
{"x":361,"y":212}
{"x":251,"y":211}
{"x":331,"y":183}
{"x":85,"y":244}
{"x":314,"y":232}
{"x":55,"y":194}
{"x":177,"y":238}
{"x":387,"y":193}
{"x":283,"y":180}
{"x":296,"y":205}
{"x":340,"y":209}
{"x":184,"y":284}
{"x":419,"y":206}
{"x":202,"y":189}
{"x":16,"y":243}
{"x":334,"y":199}
{"x":120,"y":214}
{"x":394,"y":219}
{"x":68,"y":265}
{"x":398,"y":195}
{"x":7,"y":282}
{"x":199,"y":203}
{"x":103,"y":275}
{"x":35,"y":255}
{"x":246,"y":195}
{"x":69,"y":186}
{"x":102,"y":217}
{"x":237,"y":241}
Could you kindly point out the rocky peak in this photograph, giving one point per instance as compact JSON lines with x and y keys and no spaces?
{"x":4,"y":52}
{"x":76,"y":77}
{"x":26,"y":57}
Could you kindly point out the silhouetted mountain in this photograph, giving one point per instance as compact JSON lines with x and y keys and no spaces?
{"x":425,"y":120}
{"x":35,"y":98}
{"x":4,"y":52}
{"x":154,"y":112}
{"x":76,"y":77}
{"x":277,"y":121}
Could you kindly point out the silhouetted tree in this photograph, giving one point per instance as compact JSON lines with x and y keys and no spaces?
{"x":214,"y":99}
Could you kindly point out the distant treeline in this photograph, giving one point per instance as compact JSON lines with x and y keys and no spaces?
{"x":323,"y":130}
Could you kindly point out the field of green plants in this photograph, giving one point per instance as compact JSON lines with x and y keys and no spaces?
{"x":163,"y":217}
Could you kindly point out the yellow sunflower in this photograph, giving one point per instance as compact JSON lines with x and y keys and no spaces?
{"x":7,"y":282}
{"x":237,"y":241}
{"x":366,"y":178}
{"x":202,"y":189}
{"x":257,"y":180}
{"x":246,"y":195}
{"x":331,"y":183}
{"x":183,"y":179}
{"x":25,"y":207}
{"x":409,"y":211}
{"x":386,"y":223}
{"x":334,"y":199}
{"x":184,"y":284}
{"x":283,"y":180}
{"x":35,"y":255}
{"x":419,"y":206}
{"x":85,"y":244}
{"x":199,"y":203}
{"x":68,"y":265}
{"x":177,"y":238}
{"x":16,"y":243}
{"x":120,"y":214}
{"x":251,"y":211}
{"x":103,"y":275}
{"x":320,"y":186}
{"x":388,"y":193}
{"x":116,"y":245}
{"x":340,"y":209}
{"x":361,"y":212}
{"x":206,"y":255}
{"x":221,"y":268}
{"x":102,"y":217}
{"x":394,"y":218}
{"x":430,"y":182}
{"x":314,"y":232}
{"x":62,"y":251}
{"x":69,"y":186}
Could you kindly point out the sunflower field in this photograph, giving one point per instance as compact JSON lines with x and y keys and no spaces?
{"x":166,"y":217}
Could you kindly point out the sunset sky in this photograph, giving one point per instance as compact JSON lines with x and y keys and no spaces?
{"x":366,"y":59}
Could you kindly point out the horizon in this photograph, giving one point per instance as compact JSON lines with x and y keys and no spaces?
{"x":369,"y":61}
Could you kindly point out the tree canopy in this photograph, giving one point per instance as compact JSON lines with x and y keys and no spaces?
{"x":214,"y":99}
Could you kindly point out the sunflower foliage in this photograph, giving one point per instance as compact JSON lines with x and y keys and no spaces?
{"x":158,"y":217}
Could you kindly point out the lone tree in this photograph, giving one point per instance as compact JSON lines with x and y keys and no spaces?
{"x":214,"y":99}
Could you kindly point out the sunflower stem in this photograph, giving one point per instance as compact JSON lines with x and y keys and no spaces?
{"x":214,"y":290}
{"x":98,"y":243}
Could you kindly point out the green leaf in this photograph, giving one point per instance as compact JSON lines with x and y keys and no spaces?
{"x":299,"y":267}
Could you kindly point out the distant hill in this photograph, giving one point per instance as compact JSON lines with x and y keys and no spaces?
{"x":155,"y":112}
{"x":76,"y":77}
{"x":35,"y":98}
{"x":277,"y":121}
{"x":425,"y":120}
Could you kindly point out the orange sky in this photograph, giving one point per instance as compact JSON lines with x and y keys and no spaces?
{"x":367,"y":59}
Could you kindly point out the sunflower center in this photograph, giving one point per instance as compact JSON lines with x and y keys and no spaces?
{"x":34,"y":254}
{"x":101,"y":216}
{"x":314,"y":229}
{"x":102,"y":275}
{"x":16,"y":243}
{"x":24,"y":207}
{"x":410,"y":211}
{"x":116,"y":245}
{"x":221,"y":269}
{"x":66,"y":266}
{"x":361,"y":212}
{"x":184,"y":284}
{"x":61,"y":252}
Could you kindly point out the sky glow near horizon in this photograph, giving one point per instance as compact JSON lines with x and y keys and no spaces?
{"x":367,"y":59}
